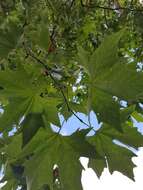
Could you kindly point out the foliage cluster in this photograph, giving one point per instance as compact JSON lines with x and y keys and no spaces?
{"x":58,"y":58}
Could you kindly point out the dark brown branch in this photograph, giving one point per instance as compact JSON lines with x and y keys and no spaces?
{"x":110,"y":8}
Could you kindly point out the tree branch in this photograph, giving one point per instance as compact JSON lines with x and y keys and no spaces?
{"x":110,"y":8}
{"x":49,"y":72}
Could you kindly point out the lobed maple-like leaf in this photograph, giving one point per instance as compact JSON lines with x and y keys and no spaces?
{"x":110,"y":79}
{"x":62,"y":151}
{"x":115,"y":156}
{"x":24,"y":96}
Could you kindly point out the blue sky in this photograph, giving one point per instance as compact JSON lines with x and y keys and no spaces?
{"x":72,"y":124}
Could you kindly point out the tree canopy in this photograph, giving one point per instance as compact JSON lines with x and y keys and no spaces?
{"x":59,"y":58}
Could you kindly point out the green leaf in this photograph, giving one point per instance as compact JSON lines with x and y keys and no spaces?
{"x":11,"y":117}
{"x":122,"y":81}
{"x":137,"y":116}
{"x":111,"y":78}
{"x":16,"y":83}
{"x":101,"y":101}
{"x":106,"y":55}
{"x":30,"y":126}
{"x":20,"y":97}
{"x":41,"y":36}
{"x":44,"y":37}
{"x":84,"y":59}
{"x":51,"y":111}
{"x":106,"y":108}
{"x":51,"y":153}
{"x":75,"y":107}
{"x":130,"y":136}
{"x":9,"y":40}
{"x":126,"y":113}
{"x":13,"y":148}
{"x":117,"y":157}
{"x":9,"y":185}
{"x":138,"y":21}
{"x":24,"y":96}
{"x":97,"y":165}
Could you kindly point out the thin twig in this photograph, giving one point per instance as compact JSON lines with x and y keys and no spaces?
{"x":61,"y":126}
{"x":69,"y":109}
{"x":48,"y":69}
